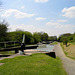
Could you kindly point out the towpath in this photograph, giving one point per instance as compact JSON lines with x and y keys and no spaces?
{"x":68,"y":63}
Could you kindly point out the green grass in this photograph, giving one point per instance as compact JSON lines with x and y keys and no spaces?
{"x":36,"y":64}
{"x":73,"y":43}
{"x":54,"y":43}
{"x":63,"y":49}
{"x":62,"y":45}
{"x":69,"y":51}
{"x":7,"y":52}
{"x":31,"y":44}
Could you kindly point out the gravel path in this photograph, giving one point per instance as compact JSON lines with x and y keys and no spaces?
{"x":68,"y":63}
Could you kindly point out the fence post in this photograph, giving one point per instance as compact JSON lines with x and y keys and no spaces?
{"x":5,"y":44}
{"x":16,"y":51}
{"x":14,"y":43}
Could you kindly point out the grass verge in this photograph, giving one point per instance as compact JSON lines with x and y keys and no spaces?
{"x":69,"y":50}
{"x":36,"y":64}
{"x":54,"y":43}
{"x":7,"y":52}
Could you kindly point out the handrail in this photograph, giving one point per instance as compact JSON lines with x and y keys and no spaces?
{"x":8,"y":42}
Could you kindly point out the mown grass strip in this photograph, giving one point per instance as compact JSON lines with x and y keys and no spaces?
{"x":7,"y":52}
{"x":69,"y":50}
{"x":36,"y":64}
{"x":54,"y":43}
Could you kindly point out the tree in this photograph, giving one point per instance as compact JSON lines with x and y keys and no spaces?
{"x":74,"y":37}
{"x":65,"y":41}
{"x":3,"y":31}
{"x":32,"y":41}
{"x":66,"y":35}
{"x":18,"y":36}
{"x":28,"y":37}
{"x":36,"y":37}
{"x":40,"y":35}
{"x":52,"y":38}
{"x":45,"y":37}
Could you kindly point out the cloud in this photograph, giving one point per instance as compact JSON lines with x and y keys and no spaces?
{"x":40,"y":18}
{"x":58,"y":28}
{"x":56,"y":23}
{"x":61,"y":30}
{"x":41,"y":1}
{"x":30,"y":28}
{"x":1,"y":9}
{"x":61,"y":20}
{"x":16,"y":14}
{"x":69,"y":12}
{"x":22,"y":7}
{"x":52,"y":28}
{"x":52,"y":23}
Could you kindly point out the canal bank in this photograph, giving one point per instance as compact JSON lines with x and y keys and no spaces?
{"x":47,"y":49}
{"x":68,"y":63}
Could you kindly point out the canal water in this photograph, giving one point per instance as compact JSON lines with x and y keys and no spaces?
{"x":45,"y":47}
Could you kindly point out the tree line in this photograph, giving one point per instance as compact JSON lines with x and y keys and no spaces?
{"x":70,"y":37}
{"x":18,"y":35}
{"x":67,"y":37}
{"x":31,"y":38}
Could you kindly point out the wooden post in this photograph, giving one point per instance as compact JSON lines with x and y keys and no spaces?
{"x":16,"y":51}
{"x":14,"y":43}
{"x":5,"y":44}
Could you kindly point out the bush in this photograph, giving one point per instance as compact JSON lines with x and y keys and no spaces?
{"x":65,"y":41}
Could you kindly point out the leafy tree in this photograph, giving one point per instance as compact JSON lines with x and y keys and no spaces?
{"x":74,"y":37}
{"x":69,"y":36}
{"x":36,"y":37}
{"x":15,"y":36}
{"x":3,"y":31}
{"x":45,"y":37}
{"x":32,"y":41}
{"x":65,"y":41}
{"x":40,"y":35}
{"x":18,"y":36}
{"x":28,"y":37}
{"x":52,"y":38}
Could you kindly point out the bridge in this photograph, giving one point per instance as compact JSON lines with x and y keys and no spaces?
{"x":14,"y":46}
{"x":16,"y":49}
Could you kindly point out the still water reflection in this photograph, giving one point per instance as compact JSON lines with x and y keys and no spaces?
{"x":46,"y":47}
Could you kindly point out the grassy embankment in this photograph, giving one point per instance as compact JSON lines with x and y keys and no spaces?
{"x":7,"y":52}
{"x":54,"y":43}
{"x":36,"y":64}
{"x":69,"y":50}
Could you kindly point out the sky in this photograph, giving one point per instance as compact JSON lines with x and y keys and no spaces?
{"x":54,"y":17}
